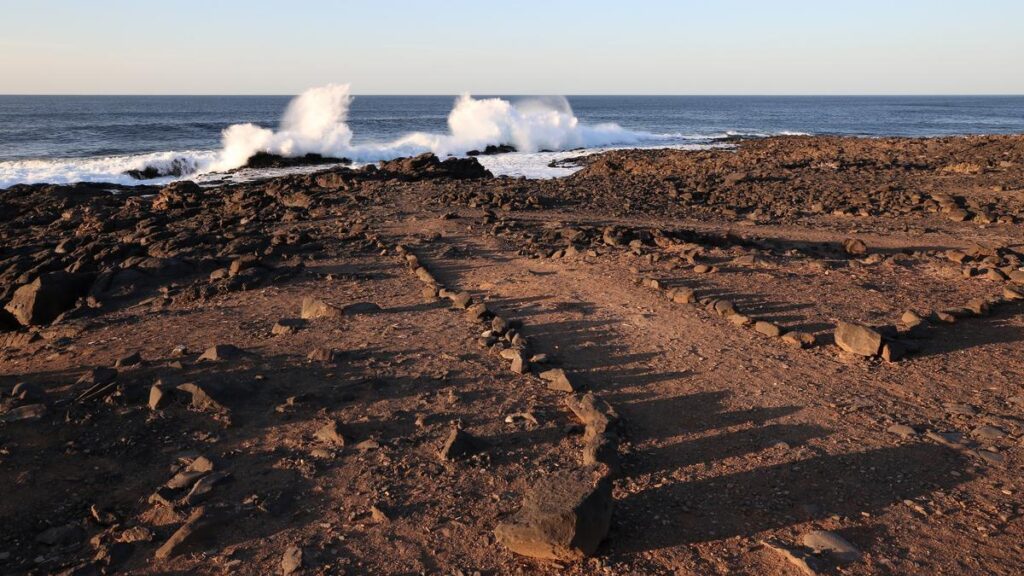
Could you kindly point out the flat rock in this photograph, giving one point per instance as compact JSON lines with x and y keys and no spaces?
{"x":832,"y":544}
{"x":24,"y":413}
{"x":564,"y":516}
{"x":858,"y":339}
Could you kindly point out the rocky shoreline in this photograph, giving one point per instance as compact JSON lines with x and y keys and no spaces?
{"x":801,"y":355}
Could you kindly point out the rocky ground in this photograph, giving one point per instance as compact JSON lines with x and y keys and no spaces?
{"x":799,"y":356}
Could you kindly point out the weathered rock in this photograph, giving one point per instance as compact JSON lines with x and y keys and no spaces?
{"x":855,"y":247}
{"x":201,"y":399}
{"x":858,"y":339}
{"x":46,"y":298}
{"x":330,"y":435}
{"x":196,"y":469}
{"x":768,"y":329}
{"x":557,"y":379}
{"x":461,"y":300}
{"x":202,"y":524}
{"x":203,"y":487}
{"x":157,"y":397}
{"x":220,"y":352}
{"x":291,"y":561}
{"x":286,"y":326}
{"x":798,"y":339}
{"x":326,"y":355}
{"x":24,"y":413}
{"x":824,"y":542}
{"x":478,"y":312}
{"x":564,"y":516}
{"x":313,"y":308}
{"x":682,"y":295}
{"x":460,"y":444}
{"x":133,"y":359}
{"x":893,"y":351}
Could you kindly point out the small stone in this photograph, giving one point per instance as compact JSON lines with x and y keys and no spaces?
{"x":329,"y":434}
{"x":461,"y":300}
{"x":902,"y":430}
{"x":220,"y":352}
{"x":157,"y":396}
{"x":855,"y":247}
{"x":893,"y":351}
{"x":767,"y":328}
{"x":325,"y":355}
{"x":989,"y":433}
{"x":24,"y":413}
{"x":201,"y":399}
{"x":798,"y":339}
{"x":824,"y":542}
{"x":130,"y":360}
{"x":557,"y":379}
{"x":683,"y":295}
{"x":459,"y":444}
{"x":313,"y":308}
{"x":286,"y":326}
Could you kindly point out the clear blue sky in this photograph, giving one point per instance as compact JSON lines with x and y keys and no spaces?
{"x":513,"y":47}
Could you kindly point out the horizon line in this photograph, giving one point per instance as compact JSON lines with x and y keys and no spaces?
{"x":552,"y":94}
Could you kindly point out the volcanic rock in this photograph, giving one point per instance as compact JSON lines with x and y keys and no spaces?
{"x":46,"y":298}
{"x":564,"y":516}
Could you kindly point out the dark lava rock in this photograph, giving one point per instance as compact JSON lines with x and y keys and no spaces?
{"x":268,"y":160}
{"x":46,"y":298}
{"x":428,"y":166}
{"x":492,"y":149}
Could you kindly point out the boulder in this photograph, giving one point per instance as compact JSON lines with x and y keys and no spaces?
{"x":46,"y":298}
{"x":564,"y":516}
{"x":858,"y":339}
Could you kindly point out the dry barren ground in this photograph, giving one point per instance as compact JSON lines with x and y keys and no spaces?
{"x":357,"y":372}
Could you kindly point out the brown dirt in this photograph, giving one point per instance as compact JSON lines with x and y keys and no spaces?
{"x":730,"y":438}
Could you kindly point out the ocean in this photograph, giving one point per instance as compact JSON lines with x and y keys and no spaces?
{"x":64,"y":139}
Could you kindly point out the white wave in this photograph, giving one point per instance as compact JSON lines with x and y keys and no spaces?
{"x":315,"y":122}
{"x":110,"y":169}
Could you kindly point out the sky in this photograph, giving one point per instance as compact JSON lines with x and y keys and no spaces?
{"x":520,"y":47}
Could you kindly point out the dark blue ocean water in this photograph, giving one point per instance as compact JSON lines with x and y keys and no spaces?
{"x":45,"y":128}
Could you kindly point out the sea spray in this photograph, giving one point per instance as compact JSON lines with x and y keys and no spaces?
{"x":315,"y":122}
